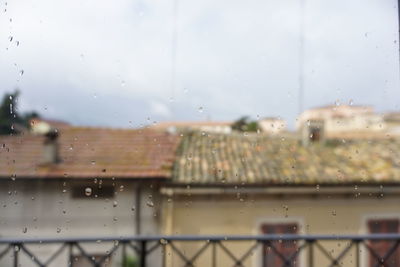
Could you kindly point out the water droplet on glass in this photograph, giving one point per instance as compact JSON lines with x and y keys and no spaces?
{"x":58,"y":230}
{"x":150,"y":203}
{"x":10,"y":38}
{"x":123,"y":83}
{"x":115,"y":203}
{"x":21,"y":73}
{"x":88,"y":191}
{"x":121,"y":188}
{"x":200,"y":109}
{"x":24,"y":230}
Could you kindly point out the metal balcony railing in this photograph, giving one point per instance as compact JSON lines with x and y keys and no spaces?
{"x":261,"y":250}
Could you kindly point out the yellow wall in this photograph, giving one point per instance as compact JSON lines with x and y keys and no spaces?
{"x":228,"y":215}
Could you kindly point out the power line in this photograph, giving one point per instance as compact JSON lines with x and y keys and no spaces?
{"x":301,"y":56}
{"x":174,"y":43}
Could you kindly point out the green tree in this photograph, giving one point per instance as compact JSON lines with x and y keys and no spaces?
{"x":243,"y":124}
{"x":129,"y":261}
{"x":8,"y":113}
{"x":11,"y":122}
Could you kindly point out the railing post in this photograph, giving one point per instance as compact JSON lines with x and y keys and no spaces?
{"x":70,"y":256}
{"x":214,"y":254}
{"x":358,"y":253}
{"x":143,"y":253}
{"x":310,"y":253}
{"x":124,"y":259}
{"x":16,"y":248}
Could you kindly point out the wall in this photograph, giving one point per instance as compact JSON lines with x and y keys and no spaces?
{"x":231,"y":215}
{"x":45,"y":208}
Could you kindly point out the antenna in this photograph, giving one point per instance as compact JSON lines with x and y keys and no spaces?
{"x":398,"y":16}
{"x":174,"y":43}
{"x":301,"y":56}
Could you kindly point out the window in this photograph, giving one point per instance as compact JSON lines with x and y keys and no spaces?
{"x":273,"y":255}
{"x":382,"y":248}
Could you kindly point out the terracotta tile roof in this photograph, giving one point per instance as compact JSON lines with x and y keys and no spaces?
{"x":90,"y":153}
{"x":257,"y":159}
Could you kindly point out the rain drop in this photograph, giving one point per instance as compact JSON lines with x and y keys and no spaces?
{"x":88,"y":191}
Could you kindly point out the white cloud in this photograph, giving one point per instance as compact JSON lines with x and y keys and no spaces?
{"x":160,"y":109}
{"x":234,"y":57}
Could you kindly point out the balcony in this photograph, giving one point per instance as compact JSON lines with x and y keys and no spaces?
{"x":262,"y":250}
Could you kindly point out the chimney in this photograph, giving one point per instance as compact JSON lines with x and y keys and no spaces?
{"x":312,"y":132}
{"x":50,"y":147}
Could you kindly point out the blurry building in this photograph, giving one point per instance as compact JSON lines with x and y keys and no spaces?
{"x":94,"y":182}
{"x":342,"y":121}
{"x":392,"y":122}
{"x":205,"y":126}
{"x":82,"y":182}
{"x":254,"y":184}
{"x":272,"y":125}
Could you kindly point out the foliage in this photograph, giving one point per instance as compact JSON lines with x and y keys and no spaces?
{"x":244,"y":124}
{"x":130,"y":261}
{"x":11,"y":121}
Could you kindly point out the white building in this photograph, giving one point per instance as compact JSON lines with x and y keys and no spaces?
{"x":82,"y":182}
{"x":343,"y":119}
{"x":272,"y":125}
{"x":205,"y":126}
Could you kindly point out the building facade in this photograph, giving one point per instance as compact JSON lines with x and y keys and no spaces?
{"x":235,"y":184}
{"x":83,"y":182}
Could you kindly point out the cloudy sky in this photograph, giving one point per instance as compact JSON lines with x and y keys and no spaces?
{"x":122,"y":63}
